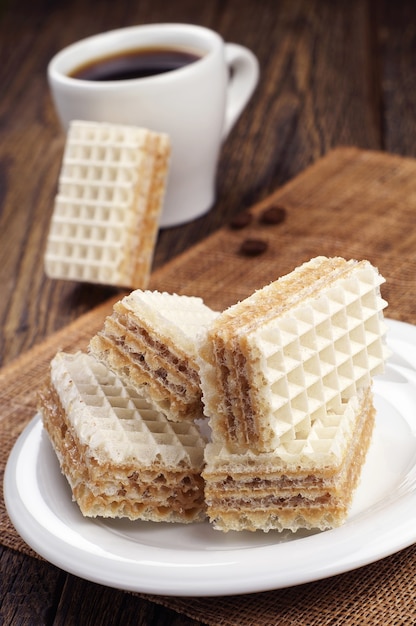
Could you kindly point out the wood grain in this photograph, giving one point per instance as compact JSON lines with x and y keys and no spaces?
{"x":332,"y":73}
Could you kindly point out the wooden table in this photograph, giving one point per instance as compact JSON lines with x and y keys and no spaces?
{"x":332,"y":73}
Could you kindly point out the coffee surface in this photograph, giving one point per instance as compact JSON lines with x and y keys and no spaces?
{"x":138,"y":63}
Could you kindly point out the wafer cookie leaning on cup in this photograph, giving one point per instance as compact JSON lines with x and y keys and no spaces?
{"x":107,"y":210}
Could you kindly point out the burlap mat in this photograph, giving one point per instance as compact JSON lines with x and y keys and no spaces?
{"x":352,"y":203}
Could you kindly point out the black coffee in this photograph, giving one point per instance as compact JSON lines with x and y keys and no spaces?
{"x":139,"y":63}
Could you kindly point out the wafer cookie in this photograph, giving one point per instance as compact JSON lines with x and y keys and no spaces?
{"x":303,"y":484}
{"x":121,"y":457}
{"x":150,"y":342}
{"x":276,"y":362}
{"x":107,"y":209}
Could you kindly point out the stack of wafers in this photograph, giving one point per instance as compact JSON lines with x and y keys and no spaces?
{"x":110,"y":196}
{"x":286,"y":378}
{"x":124,"y":424}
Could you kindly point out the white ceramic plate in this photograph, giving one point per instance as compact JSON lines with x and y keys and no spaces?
{"x":195,"y":560}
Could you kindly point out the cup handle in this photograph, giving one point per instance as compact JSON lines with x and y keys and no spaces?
{"x":243,"y":67}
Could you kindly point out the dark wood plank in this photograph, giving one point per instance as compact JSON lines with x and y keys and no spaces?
{"x":35,"y":593}
{"x":30,"y":589}
{"x":397,"y":58}
{"x":82,"y":602}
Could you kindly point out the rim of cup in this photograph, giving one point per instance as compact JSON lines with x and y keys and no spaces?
{"x":195,"y":38}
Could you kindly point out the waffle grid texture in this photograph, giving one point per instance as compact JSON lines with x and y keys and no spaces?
{"x":322,"y":446}
{"x":271,"y":380}
{"x":115,"y":423}
{"x":321,"y":356}
{"x":106,"y":212}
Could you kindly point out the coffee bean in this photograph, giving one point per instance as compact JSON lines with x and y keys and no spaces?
{"x":253,"y":247}
{"x":241,"y":220}
{"x":273,"y":215}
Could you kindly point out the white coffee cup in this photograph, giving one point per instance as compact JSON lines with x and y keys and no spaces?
{"x":196,"y":105}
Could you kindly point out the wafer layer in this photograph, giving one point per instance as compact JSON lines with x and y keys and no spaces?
{"x":149,"y":341}
{"x":275,"y":363}
{"x":110,"y":195}
{"x":121,"y":457}
{"x":307,"y":483}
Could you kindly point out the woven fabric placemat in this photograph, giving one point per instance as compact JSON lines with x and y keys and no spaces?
{"x":357,"y":204}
